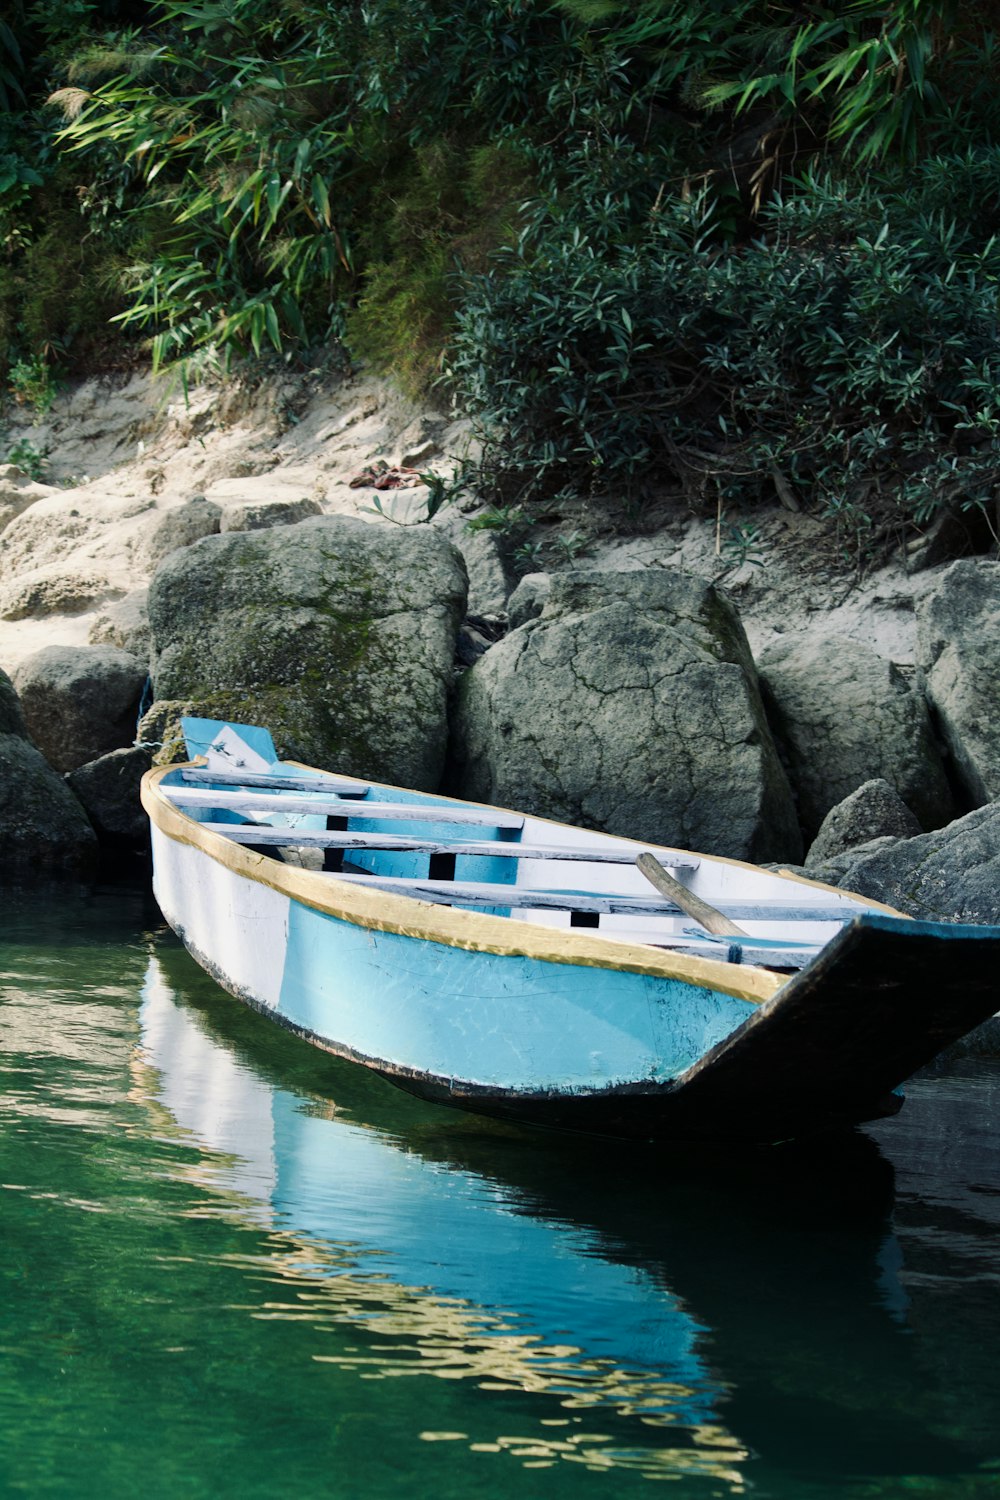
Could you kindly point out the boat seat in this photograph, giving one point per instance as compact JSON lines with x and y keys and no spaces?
{"x":763,"y":952}
{"x":611,"y":903}
{"x":494,"y":849}
{"x":276,"y":782}
{"x":325,"y":803}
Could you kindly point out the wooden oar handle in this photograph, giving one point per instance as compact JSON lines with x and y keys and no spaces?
{"x":708,"y":917}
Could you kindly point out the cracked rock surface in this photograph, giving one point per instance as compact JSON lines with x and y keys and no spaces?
{"x":950,"y":875}
{"x":630,"y":703}
{"x":842,"y":715}
{"x":958,"y":645}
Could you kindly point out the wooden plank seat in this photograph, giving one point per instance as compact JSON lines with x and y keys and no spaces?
{"x":766,"y":952}
{"x":289,"y":802}
{"x":276,"y":782}
{"x":488,"y":893}
{"x":499,"y":894}
{"x":261,"y":834}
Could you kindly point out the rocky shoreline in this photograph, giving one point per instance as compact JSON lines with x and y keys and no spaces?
{"x":651,"y":687}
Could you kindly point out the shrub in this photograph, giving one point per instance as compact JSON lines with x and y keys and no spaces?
{"x":852,"y":341}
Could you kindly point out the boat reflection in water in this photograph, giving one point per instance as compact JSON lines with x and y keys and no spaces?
{"x":716,"y":1313}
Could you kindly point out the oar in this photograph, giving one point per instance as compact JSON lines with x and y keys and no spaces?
{"x":708,"y":916}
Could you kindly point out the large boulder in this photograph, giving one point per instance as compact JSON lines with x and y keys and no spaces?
{"x":874,"y":811}
{"x":949,"y":875}
{"x":337,"y":634}
{"x":630,"y":703}
{"x":44,"y":831}
{"x":959,"y":654}
{"x":108,"y":790}
{"x":80,"y":701}
{"x":843,"y":715}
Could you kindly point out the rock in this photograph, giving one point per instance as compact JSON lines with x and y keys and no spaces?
{"x":843,"y":715}
{"x":11,"y":714}
{"x":958,"y":645}
{"x":183,"y":525}
{"x":413,"y":458}
{"x":953,"y":533}
{"x":949,"y":875}
{"x":54,"y":592}
{"x":488,"y":585}
{"x":44,"y":831}
{"x":160,"y":730}
{"x":17,"y":493}
{"x":61,"y":526}
{"x":124,"y":623}
{"x":337,"y":634}
{"x":528,"y":599}
{"x":80,"y":701}
{"x":419,"y":442}
{"x":256,"y":515}
{"x":629,"y":704}
{"x":67,"y":553}
{"x":470,"y":645}
{"x":108,"y":790}
{"x":874,"y":811}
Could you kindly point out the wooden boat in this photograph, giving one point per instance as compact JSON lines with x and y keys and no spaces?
{"x":530,"y":970}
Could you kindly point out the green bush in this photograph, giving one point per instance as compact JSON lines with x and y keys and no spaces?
{"x":681,"y":297}
{"x":447,"y":212}
{"x":853,"y":345}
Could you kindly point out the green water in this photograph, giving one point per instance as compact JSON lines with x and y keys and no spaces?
{"x":231,"y":1266}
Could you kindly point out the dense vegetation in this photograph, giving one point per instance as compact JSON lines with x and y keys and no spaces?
{"x":726,"y":249}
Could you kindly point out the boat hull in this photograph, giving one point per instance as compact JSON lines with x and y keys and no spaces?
{"x":459,"y":1023}
{"x":562,"y":1029}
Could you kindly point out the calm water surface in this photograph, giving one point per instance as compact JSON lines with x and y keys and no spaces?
{"x":232,"y":1266}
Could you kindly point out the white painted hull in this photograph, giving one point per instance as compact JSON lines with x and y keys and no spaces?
{"x":418,"y":1008}
{"x":519,"y":1011}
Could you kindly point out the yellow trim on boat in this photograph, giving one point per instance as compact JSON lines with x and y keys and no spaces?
{"x":382,"y":911}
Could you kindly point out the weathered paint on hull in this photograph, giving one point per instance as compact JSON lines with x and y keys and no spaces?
{"x":448,"y":1018}
{"x":560,"y":1029}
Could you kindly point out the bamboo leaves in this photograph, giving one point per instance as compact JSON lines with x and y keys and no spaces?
{"x":232,"y":142}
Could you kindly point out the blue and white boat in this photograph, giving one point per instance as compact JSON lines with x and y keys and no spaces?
{"x":547,"y":974}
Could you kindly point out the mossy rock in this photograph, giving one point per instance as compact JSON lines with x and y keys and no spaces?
{"x":337,"y":635}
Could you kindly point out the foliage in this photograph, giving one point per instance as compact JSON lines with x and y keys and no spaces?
{"x":28,"y":458}
{"x":451,"y":207}
{"x":731,"y":248}
{"x":268,"y":137}
{"x":854,"y":343}
{"x":742,"y":546}
{"x":861,"y":74}
{"x":59,"y":239}
{"x":440,"y":492}
{"x":33,"y":384}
